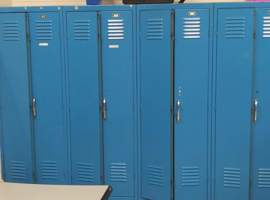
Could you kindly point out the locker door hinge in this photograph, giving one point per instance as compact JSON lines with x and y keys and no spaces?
{"x":104,"y":109}
{"x":254,"y":35}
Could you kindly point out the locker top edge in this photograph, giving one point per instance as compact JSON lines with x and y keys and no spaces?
{"x":64,"y":8}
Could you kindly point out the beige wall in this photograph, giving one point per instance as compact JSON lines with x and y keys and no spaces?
{"x":190,"y":1}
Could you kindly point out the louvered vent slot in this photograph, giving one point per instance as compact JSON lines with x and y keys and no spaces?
{"x":82,"y":30}
{"x":235,"y":27}
{"x":44,"y":30}
{"x":116,"y":29}
{"x":155,"y":29}
{"x":192,"y":28}
{"x":190,"y":176}
{"x":266,"y":27}
{"x":118,"y":172}
{"x":155,"y":175}
{"x":11,"y":31}
{"x":264,"y":178}
{"x":48,"y":170}
{"x":85,"y":172}
{"x":232,"y":177}
{"x":18,"y":170}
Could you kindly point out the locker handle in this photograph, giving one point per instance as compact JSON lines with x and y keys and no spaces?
{"x":178,"y":111}
{"x":104,"y":109}
{"x":34,"y":109}
{"x":255,"y":113}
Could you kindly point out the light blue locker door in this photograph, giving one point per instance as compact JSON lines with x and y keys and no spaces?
{"x":48,"y":97}
{"x":191,"y":103}
{"x":15,"y":105}
{"x":261,"y":136}
{"x":118,"y":102}
{"x":234,"y":67}
{"x":83,"y":76}
{"x":155,"y":103}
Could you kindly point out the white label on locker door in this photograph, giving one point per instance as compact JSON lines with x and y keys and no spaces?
{"x":43,"y":44}
{"x":114,"y":46}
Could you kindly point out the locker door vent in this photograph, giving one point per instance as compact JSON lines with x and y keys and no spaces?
{"x":155,"y":29}
{"x":232,"y":177}
{"x":81,"y":29}
{"x":44,"y":30}
{"x":11,"y":31}
{"x":192,"y":28}
{"x":264,"y":178}
{"x":116,"y":29}
{"x":48,"y":170}
{"x":155,"y":175}
{"x":190,"y":176}
{"x":18,"y":170}
{"x":118,"y":172}
{"x":85,"y":172}
{"x":266,"y":27}
{"x":235,"y":27}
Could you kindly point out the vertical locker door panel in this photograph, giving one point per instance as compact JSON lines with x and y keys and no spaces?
{"x":84,"y":97}
{"x":155,"y":81}
{"x":233,"y":103}
{"x":118,"y":77}
{"x":47,"y":84}
{"x":15,"y":104}
{"x":191,"y":91}
{"x":261,"y":136}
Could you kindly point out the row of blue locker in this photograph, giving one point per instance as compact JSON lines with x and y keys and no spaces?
{"x":159,"y":101}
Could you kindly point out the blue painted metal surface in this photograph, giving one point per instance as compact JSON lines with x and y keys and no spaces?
{"x":83,"y":76}
{"x":155,"y":102}
{"x":15,"y":106}
{"x":47,"y":84}
{"x":234,"y":67}
{"x":191,"y":133}
{"x":261,"y":138}
{"x":118,"y":92}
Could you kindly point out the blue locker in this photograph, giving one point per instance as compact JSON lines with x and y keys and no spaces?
{"x":233,"y":93}
{"x":261,"y":137}
{"x":15,"y":105}
{"x":83,"y":76}
{"x":191,"y":133}
{"x":155,"y":63}
{"x":49,"y":97}
{"x":118,"y":102}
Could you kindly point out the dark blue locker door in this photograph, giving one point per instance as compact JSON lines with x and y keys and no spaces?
{"x":47,"y":84}
{"x":84,"y":97}
{"x":261,"y":136}
{"x":118,"y":87}
{"x":15,"y":104}
{"x":234,"y":66}
{"x":155,"y":97}
{"x":191,"y":103}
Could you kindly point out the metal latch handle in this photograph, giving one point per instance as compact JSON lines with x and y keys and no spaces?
{"x":104,"y":109}
{"x":178,"y":111}
{"x":34,"y":108}
{"x":255,"y":112}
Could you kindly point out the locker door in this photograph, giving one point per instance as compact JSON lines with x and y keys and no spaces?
{"x":191,"y":103}
{"x":118,"y":104}
{"x":47,"y":85}
{"x":234,"y":67}
{"x":261,"y":136}
{"x":155,"y":102}
{"x":15,"y":104}
{"x":84,"y":97}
